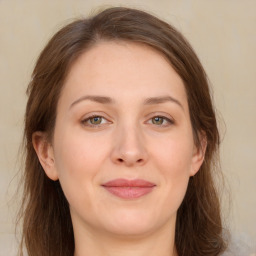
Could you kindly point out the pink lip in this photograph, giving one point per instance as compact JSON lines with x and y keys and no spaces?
{"x":129,"y":189}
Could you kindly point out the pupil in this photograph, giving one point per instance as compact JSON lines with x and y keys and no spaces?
{"x":158,"y":120}
{"x":96,"y":120}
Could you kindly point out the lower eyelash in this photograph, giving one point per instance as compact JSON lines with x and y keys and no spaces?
{"x":165,"y":118}
{"x":86,"y":123}
{"x":88,"y":118}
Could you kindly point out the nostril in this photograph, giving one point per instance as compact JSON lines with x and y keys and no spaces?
{"x":129,"y":161}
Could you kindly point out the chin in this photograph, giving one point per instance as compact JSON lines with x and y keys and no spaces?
{"x":133,"y":223}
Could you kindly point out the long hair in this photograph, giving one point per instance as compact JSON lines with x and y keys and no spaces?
{"x":47,"y":226}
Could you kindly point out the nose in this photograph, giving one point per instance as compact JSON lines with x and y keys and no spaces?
{"x":129,"y":148}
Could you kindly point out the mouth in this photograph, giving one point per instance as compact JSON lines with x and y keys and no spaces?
{"x":129,"y":189}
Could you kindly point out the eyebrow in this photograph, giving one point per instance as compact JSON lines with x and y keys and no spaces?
{"x":163,"y":99}
{"x":108,"y":100}
{"x":99,"y":99}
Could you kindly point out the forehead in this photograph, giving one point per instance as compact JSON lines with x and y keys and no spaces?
{"x":115,"y":68}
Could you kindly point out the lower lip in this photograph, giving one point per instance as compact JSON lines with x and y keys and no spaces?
{"x":129,"y":192}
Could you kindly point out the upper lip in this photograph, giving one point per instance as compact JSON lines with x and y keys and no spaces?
{"x":128,"y":183}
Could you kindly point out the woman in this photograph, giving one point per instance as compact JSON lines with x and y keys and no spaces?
{"x":121,"y":140}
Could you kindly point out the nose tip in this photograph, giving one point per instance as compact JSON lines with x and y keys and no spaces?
{"x":129,"y":149}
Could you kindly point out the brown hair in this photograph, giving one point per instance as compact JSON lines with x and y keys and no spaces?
{"x":47,"y":227}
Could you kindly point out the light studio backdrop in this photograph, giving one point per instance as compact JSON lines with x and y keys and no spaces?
{"x":223,"y":35}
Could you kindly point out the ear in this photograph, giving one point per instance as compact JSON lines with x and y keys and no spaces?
{"x":45,"y":154}
{"x":198,"y":154}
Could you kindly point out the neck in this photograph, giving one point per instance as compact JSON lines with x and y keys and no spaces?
{"x":97,"y":244}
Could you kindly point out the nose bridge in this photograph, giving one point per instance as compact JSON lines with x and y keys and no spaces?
{"x":129,"y":145}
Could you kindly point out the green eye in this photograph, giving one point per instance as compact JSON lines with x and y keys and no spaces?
{"x":95,"y":120}
{"x":158,"y":120}
{"x":161,"y":121}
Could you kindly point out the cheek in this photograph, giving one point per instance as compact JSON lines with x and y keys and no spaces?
{"x":174,"y":163}
{"x":78,"y":154}
{"x":77,"y":161}
{"x":175,"y":154}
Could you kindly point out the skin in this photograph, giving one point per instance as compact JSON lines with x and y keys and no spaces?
{"x":127,"y":141}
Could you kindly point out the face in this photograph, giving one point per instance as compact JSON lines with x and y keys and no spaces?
{"x":123,"y":146}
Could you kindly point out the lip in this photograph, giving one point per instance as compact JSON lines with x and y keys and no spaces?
{"x":129,"y":189}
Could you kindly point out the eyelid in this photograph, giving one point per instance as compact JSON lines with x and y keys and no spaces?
{"x":89,"y":116}
{"x":165,"y":116}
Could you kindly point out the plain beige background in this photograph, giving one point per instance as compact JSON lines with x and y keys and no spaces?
{"x":222,"y":33}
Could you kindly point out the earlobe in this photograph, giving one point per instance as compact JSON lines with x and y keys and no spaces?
{"x":45,"y":154}
{"x":198,"y":154}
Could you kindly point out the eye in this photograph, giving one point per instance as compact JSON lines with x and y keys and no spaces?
{"x":158,"y":120}
{"x":94,"y":120}
{"x":161,"y":121}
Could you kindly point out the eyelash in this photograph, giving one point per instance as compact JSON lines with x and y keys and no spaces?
{"x":86,"y":121}
{"x":167,"y":121}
